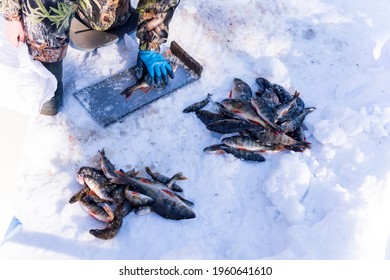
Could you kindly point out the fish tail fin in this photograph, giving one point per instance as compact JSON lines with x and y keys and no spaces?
{"x":176,"y":177}
{"x":132,"y":173}
{"x":307,"y":144}
{"x":213,"y":148}
{"x":127,"y":93}
{"x":110,"y":231}
{"x":148,"y":170}
{"x":300,"y":147}
{"x":182,"y":178}
{"x":179,"y":176}
{"x":296,"y":94}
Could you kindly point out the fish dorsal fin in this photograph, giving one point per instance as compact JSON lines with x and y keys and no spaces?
{"x":148,"y":170}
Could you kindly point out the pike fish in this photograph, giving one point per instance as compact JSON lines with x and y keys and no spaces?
{"x":165,"y":203}
{"x":198,"y":105}
{"x":242,"y":154}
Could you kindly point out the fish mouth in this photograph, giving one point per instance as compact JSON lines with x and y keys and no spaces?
{"x":80,"y":179}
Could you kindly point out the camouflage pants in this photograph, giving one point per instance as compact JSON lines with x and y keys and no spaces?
{"x":47,"y":22}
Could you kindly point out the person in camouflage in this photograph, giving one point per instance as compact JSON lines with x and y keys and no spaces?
{"x":44,"y":26}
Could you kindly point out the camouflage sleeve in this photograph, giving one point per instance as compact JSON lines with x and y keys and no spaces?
{"x":153,"y":22}
{"x":12,"y":9}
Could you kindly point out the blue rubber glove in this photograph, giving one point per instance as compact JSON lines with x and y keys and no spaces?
{"x":158,"y":69}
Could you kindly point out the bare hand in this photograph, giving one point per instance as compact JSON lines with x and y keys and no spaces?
{"x":14,"y":31}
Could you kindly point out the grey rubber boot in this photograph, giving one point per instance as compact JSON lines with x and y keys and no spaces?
{"x":51,"y":107}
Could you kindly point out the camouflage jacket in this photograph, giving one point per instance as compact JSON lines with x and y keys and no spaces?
{"x":12,"y":9}
{"x":154,"y":19}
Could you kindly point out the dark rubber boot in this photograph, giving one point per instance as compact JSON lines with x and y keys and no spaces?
{"x":51,"y":107}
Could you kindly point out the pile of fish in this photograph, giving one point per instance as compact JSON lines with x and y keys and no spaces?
{"x":270,"y":119}
{"x":109,"y":195}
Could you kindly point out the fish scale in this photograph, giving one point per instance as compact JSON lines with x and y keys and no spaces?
{"x":102,"y":213}
{"x":242,"y":154}
{"x":246,"y":111}
{"x":265,"y":110}
{"x":250,"y":144}
{"x":100,"y":186}
{"x":226,"y":126}
{"x":240,"y":90}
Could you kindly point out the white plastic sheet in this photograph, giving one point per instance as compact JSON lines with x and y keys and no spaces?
{"x":14,"y":127}
{"x":25,"y":84}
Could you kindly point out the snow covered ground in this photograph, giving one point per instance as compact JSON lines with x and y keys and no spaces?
{"x":329,"y":202}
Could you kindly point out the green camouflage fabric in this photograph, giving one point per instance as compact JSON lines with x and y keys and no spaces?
{"x":104,"y":14}
{"x":12,"y":9}
{"x":47,"y":25}
{"x":154,"y":19}
{"x":47,"y":22}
